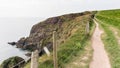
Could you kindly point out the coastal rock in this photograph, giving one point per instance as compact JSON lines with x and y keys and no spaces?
{"x":28,"y":54}
{"x":12,"y":43}
{"x":21,"y":42}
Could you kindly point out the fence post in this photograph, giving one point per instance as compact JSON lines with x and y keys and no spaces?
{"x":34,"y":59}
{"x":47,"y":51}
{"x":87,"y":28}
{"x":54,"y":50}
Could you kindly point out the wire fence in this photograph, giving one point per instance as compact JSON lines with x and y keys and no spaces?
{"x":21,"y":62}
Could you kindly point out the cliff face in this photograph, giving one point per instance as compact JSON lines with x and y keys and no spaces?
{"x":41,"y":33}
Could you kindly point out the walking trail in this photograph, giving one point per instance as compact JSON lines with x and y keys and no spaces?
{"x":100,"y":58}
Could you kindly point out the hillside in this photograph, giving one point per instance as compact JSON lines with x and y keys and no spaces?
{"x":71,"y":37}
{"x":65,"y":26}
{"x":110,"y":23}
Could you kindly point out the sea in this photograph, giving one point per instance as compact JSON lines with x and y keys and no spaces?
{"x":12,"y":29}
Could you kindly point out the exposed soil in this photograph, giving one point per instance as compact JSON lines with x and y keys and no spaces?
{"x":100,"y":58}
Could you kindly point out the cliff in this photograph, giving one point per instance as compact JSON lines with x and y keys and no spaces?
{"x":41,"y":33}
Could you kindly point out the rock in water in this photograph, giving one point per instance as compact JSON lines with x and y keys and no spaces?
{"x":12,"y":43}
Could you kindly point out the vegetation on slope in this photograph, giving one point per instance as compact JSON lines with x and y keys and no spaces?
{"x":11,"y":62}
{"x":110,"y":18}
{"x":74,"y":35}
{"x":84,"y":56}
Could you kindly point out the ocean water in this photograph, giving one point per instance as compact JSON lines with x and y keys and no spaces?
{"x":12,"y":29}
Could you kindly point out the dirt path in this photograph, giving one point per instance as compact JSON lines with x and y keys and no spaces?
{"x":100,"y":58}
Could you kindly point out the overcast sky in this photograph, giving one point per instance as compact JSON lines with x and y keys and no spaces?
{"x":47,"y":8}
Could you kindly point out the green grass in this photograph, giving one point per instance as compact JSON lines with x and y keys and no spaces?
{"x":67,"y":50}
{"x":112,"y":18}
{"x":72,"y":46}
{"x":87,"y":52}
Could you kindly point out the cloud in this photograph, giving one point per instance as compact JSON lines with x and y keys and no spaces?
{"x":46,"y":8}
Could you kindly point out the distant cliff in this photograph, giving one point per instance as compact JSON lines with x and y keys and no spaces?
{"x":41,"y":33}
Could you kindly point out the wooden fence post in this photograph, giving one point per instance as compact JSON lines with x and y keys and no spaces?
{"x":54,"y":50}
{"x":34,"y":59}
{"x":47,"y":51}
{"x":87,"y":28}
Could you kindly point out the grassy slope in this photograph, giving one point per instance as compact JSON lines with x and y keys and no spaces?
{"x":107,"y":18}
{"x":83,"y":57}
{"x":70,"y":47}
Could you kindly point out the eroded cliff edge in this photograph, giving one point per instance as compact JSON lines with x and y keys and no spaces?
{"x":41,"y":33}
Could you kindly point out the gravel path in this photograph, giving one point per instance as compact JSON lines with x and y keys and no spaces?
{"x":100,"y":58}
